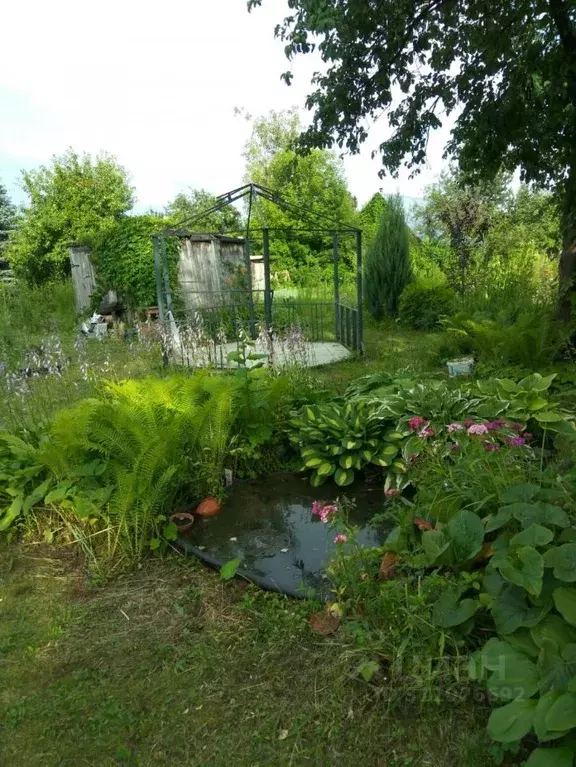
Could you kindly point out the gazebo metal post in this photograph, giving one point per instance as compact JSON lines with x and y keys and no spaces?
{"x":248,"y":265}
{"x":336,"y":284}
{"x":359,"y":293}
{"x":267,"y":282}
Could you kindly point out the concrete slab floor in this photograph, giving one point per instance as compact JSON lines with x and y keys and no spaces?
{"x":307,"y":354}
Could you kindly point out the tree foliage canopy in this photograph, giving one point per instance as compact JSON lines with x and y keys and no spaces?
{"x":505,"y":68}
{"x":314,"y":183}
{"x":7,"y":217}
{"x":69,"y":200}
{"x":189,"y":205}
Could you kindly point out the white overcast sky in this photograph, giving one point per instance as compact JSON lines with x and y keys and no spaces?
{"x":156,"y":85}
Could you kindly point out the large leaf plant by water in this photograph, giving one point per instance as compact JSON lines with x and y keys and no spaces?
{"x":525,"y":597}
{"x":337,"y":439}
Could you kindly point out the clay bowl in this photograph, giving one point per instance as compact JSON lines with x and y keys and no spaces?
{"x":209,"y":507}
{"x":183,"y":521}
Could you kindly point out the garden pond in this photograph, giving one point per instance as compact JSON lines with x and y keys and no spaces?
{"x":268,"y":525}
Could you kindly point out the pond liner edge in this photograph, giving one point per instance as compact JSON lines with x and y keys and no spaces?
{"x":264,"y":583}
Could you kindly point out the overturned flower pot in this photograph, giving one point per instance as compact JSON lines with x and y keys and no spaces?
{"x":209,"y":507}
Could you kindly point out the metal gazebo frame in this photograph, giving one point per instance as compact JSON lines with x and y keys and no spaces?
{"x":348,"y":327}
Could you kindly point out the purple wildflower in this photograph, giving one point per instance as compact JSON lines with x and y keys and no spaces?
{"x":477,"y":428}
{"x":517,"y":441}
{"x":455,"y":427}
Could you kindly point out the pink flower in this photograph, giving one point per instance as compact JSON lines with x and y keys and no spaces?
{"x":340,"y":538}
{"x":316,"y":508}
{"x":517,"y":441}
{"x":516,"y":426}
{"x":491,"y":447}
{"x":416,"y":422}
{"x":455,"y":427}
{"x":323,"y":511}
{"x":477,"y":428}
{"x":427,"y":431}
{"x":391,"y":492}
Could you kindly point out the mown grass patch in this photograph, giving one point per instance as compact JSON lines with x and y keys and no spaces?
{"x":170,"y":665}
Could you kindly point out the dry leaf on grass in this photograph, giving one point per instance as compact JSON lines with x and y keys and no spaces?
{"x":324,"y":623}
{"x":388,"y":566}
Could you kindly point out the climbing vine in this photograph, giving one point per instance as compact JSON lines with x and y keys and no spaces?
{"x":124,"y":259}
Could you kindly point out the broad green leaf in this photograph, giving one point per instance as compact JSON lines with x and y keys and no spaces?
{"x":314,"y":462}
{"x":434,"y":543}
{"x":536,"y":382}
{"x":545,"y":703}
{"x":524,"y":568}
{"x":59,"y":493}
{"x":449,"y":611}
{"x":344,"y":477}
{"x":36,"y":495}
{"x":537,"y":403}
{"x":551,"y":757}
{"x":535,"y":535}
{"x":520,"y":493}
{"x":466,"y":533}
{"x":228,"y":570}
{"x":496,"y":521}
{"x":514,"y":675}
{"x":548,"y":416}
{"x":367,"y":669}
{"x":565,"y":602}
{"x":553,"y":629}
{"x":316,"y":480}
{"x":562,"y":713}
{"x":170,"y":532}
{"x":396,"y":541}
{"x":10,"y":514}
{"x":346,"y":461}
{"x":522,"y":640}
{"x":351,"y":444}
{"x":563,"y":560}
{"x":538,"y":513}
{"x":325,"y":469}
{"x":512,"y":722}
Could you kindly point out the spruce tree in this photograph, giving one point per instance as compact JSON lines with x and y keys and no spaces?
{"x":387,"y":268}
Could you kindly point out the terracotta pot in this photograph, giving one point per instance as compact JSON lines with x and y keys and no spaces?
{"x":183,"y":521}
{"x":208,"y":508}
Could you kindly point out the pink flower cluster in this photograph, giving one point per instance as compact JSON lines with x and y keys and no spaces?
{"x":422,"y":426}
{"x":484,"y":429}
{"x":391,"y":492}
{"x":340,"y":538}
{"x":323,"y":512}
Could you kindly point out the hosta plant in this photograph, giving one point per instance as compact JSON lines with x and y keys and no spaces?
{"x":338,"y":439}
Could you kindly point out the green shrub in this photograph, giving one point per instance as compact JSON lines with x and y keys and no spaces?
{"x":423,"y":305}
{"x":532,"y":340}
{"x":388,"y":268}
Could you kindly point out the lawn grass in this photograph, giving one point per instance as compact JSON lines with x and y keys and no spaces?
{"x":171,"y":666}
{"x":389,"y":348}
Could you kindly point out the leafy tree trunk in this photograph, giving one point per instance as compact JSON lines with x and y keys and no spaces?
{"x":560,"y":12}
{"x":567,"y":266}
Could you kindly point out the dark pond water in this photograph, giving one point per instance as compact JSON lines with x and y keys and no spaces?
{"x":268,"y":525}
